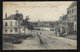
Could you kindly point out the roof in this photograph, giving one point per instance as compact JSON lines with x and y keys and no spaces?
{"x":11,"y":17}
{"x":62,"y":19}
{"x":73,"y":4}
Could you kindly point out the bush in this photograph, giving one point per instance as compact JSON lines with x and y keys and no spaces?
{"x":17,"y":42}
{"x":8,"y":39}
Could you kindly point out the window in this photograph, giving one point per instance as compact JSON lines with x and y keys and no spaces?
{"x":11,"y":30}
{"x":67,"y":12}
{"x":15,"y":30}
{"x":6,"y":30}
{"x":5,"y":23}
{"x":72,"y":10}
{"x":10,"y":23}
{"x":15,"y":23}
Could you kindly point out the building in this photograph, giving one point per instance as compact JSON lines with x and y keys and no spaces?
{"x":72,"y":17}
{"x":61,"y":26}
{"x":44,"y":25}
{"x":10,"y":25}
{"x":64,"y":24}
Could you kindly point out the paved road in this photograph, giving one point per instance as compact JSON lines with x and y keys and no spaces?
{"x":41,"y":41}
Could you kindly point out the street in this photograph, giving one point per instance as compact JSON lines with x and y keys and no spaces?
{"x":42,"y":41}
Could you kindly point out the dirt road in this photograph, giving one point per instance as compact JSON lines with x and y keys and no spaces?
{"x":54,"y":42}
{"x":47,"y":42}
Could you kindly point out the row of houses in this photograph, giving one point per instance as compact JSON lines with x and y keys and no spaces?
{"x":44,"y":25}
{"x":67,"y":24}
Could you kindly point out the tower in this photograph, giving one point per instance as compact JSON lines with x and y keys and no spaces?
{"x":5,"y":15}
{"x":38,"y":22}
{"x":17,"y":12}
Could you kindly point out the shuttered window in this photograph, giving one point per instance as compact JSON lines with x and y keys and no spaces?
{"x":15,"y":23}
{"x":5,"y":23}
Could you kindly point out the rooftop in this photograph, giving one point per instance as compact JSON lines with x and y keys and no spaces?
{"x":73,"y":4}
{"x":11,"y":17}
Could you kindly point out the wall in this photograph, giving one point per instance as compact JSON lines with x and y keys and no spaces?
{"x":10,"y":27}
{"x":73,"y":17}
{"x":34,"y":32}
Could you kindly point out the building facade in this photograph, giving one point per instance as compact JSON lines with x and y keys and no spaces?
{"x":10,"y":25}
{"x":72,"y":17}
{"x":61,"y":26}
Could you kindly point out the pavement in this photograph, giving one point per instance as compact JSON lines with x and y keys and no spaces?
{"x":46,"y":42}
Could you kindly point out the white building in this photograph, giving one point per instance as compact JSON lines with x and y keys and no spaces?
{"x":10,"y":25}
{"x":72,"y":16}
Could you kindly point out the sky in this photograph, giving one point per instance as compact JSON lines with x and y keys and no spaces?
{"x":44,"y":11}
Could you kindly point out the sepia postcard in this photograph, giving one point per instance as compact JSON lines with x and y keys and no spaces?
{"x":39,"y":25}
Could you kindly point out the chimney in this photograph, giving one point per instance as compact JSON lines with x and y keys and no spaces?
{"x":5,"y":15}
{"x":17,"y":12}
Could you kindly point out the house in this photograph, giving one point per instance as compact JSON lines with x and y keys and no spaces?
{"x":64,"y":24}
{"x":72,"y":17}
{"x":61,"y":26}
{"x":10,"y":25}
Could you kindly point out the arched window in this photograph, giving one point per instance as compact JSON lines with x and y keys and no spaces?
{"x":5,"y":23}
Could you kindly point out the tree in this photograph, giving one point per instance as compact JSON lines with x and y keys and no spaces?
{"x":26,"y":24}
{"x":18,"y":16}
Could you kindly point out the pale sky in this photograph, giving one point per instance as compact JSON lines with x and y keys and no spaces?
{"x":44,"y":11}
